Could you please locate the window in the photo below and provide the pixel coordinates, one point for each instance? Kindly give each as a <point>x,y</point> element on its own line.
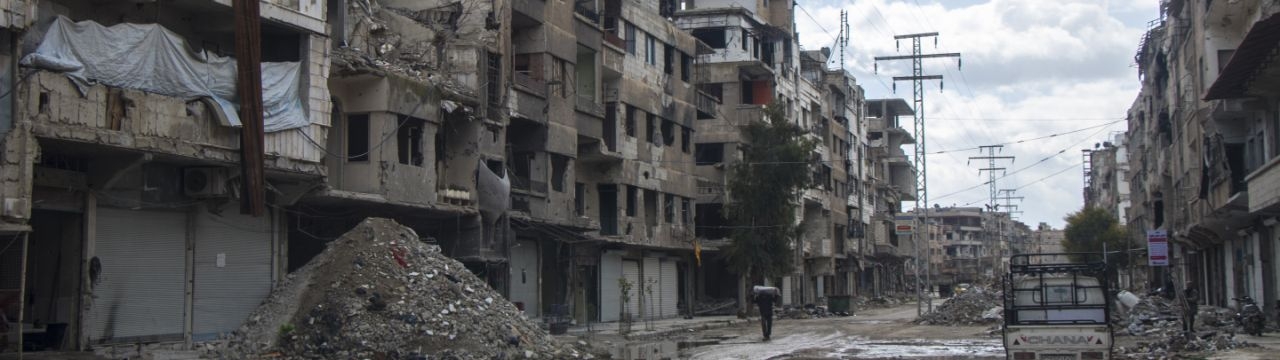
<point>559,164</point>
<point>716,90</point>
<point>580,199</point>
<point>684,210</point>
<point>358,137</point>
<point>686,137</point>
<point>745,35</point>
<point>409,142</point>
<point>669,209</point>
<point>708,154</point>
<point>651,129</point>
<point>668,132</point>
<point>650,49</point>
<point>668,59</point>
<point>714,37</point>
<point>632,193</point>
<point>631,38</point>
<point>561,72</point>
<point>630,120</point>
<point>686,66</point>
<point>666,8</point>
<point>493,89</point>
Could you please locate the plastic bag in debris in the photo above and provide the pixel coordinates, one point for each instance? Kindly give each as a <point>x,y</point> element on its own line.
<point>151,58</point>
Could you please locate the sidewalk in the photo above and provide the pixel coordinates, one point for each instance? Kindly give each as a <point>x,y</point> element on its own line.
<point>641,330</point>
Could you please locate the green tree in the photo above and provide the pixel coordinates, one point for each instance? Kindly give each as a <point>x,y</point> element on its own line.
<point>1088,229</point>
<point>764,189</point>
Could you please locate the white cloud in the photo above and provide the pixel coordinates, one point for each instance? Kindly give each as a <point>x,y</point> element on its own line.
<point>1022,59</point>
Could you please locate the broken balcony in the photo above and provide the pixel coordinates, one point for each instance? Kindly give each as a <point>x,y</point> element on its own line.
<point>527,11</point>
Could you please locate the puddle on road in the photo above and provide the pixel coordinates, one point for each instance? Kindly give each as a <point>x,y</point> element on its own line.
<point>840,346</point>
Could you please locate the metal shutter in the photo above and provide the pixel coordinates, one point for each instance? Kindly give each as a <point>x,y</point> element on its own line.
<point>653,284</point>
<point>786,290</point>
<point>524,276</point>
<point>141,289</point>
<point>631,271</point>
<point>232,272</point>
<point>670,287</point>
<point>610,298</point>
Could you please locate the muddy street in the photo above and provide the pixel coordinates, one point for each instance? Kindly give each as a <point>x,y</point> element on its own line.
<point>873,334</point>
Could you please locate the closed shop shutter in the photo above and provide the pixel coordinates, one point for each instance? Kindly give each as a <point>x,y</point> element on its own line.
<point>786,290</point>
<point>653,287</point>
<point>610,297</point>
<point>141,291</point>
<point>524,276</point>
<point>631,271</point>
<point>670,289</point>
<point>232,272</point>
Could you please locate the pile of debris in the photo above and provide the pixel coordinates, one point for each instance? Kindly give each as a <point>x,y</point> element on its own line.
<point>1150,315</point>
<point>976,306</point>
<point>715,307</point>
<point>379,292</point>
<point>1165,347</point>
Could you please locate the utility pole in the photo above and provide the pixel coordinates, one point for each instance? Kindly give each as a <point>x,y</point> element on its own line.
<point>993,206</point>
<point>917,78</point>
<point>1007,196</point>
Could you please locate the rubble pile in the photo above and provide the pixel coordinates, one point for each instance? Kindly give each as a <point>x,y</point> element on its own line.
<point>715,307</point>
<point>1165,347</point>
<point>976,306</point>
<point>1150,315</point>
<point>379,292</point>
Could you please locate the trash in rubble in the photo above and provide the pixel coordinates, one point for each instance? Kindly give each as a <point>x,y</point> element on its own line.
<point>336,308</point>
<point>967,308</point>
<point>1160,320</point>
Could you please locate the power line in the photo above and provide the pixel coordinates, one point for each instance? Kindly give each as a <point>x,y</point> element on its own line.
<point>1025,119</point>
<point>1032,139</point>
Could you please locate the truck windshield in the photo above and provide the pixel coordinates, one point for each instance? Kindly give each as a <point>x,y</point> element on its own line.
<point>1063,293</point>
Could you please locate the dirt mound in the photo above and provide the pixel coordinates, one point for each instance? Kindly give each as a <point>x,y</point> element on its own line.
<point>379,292</point>
<point>968,308</point>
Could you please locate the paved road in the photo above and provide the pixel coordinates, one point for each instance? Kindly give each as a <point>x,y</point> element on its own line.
<point>876,334</point>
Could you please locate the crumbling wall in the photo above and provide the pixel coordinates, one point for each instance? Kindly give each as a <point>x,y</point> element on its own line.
<point>16,170</point>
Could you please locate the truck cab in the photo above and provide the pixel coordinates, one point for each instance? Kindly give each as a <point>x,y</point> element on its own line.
<point>1057,309</point>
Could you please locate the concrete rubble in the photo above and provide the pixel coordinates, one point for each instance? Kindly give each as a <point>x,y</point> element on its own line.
<point>379,292</point>
<point>1159,319</point>
<point>976,306</point>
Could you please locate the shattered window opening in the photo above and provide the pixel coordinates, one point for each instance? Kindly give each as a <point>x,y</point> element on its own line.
<point>409,142</point>
<point>669,209</point>
<point>668,60</point>
<point>630,121</point>
<point>708,153</point>
<point>651,129</point>
<point>559,165</point>
<point>494,86</point>
<point>714,37</point>
<point>684,210</point>
<point>632,192</point>
<point>358,137</point>
<point>668,132</point>
<point>685,139</point>
<point>686,66</point>
<point>580,199</point>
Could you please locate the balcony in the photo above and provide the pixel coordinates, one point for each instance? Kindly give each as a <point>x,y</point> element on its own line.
<point>589,105</point>
<point>1264,184</point>
<point>527,83</point>
<point>586,9</point>
<point>531,10</point>
<point>708,106</point>
<point>613,61</point>
<point>1232,10</point>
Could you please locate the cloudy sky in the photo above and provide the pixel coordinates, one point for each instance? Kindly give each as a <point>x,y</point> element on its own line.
<point>1031,69</point>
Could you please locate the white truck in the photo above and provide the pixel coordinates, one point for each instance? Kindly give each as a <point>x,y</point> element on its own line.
<point>1056,309</point>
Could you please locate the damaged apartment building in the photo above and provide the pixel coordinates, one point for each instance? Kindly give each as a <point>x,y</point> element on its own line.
<point>755,61</point>
<point>1203,146</point>
<point>890,180</point>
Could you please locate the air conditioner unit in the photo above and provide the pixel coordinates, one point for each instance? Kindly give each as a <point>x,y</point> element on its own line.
<point>204,182</point>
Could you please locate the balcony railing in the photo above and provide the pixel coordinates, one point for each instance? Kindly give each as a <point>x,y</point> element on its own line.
<point>528,82</point>
<point>708,106</point>
<point>583,8</point>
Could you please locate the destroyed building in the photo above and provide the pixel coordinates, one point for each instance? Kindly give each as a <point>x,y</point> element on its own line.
<point>892,180</point>
<point>1202,145</point>
<point>562,151</point>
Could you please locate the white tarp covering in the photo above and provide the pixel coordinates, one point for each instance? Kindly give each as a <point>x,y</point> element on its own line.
<point>150,58</point>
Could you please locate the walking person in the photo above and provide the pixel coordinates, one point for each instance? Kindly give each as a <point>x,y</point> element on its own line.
<point>765,297</point>
<point>1192,298</point>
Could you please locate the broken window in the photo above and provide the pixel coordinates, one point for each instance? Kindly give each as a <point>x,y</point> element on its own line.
<point>651,210</point>
<point>651,129</point>
<point>684,211</point>
<point>630,120</point>
<point>650,49</point>
<point>708,154</point>
<point>716,90</point>
<point>493,89</point>
<point>745,35</point>
<point>668,60</point>
<point>559,164</point>
<point>409,142</point>
<point>686,66</point>
<point>685,138</point>
<point>580,199</point>
<point>669,209</point>
<point>529,65</point>
<point>631,38</point>
<point>668,132</point>
<point>714,37</point>
<point>766,48</point>
<point>632,192</point>
<point>358,137</point>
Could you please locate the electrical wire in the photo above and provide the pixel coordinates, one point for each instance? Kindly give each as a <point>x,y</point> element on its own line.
<point>1032,139</point>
